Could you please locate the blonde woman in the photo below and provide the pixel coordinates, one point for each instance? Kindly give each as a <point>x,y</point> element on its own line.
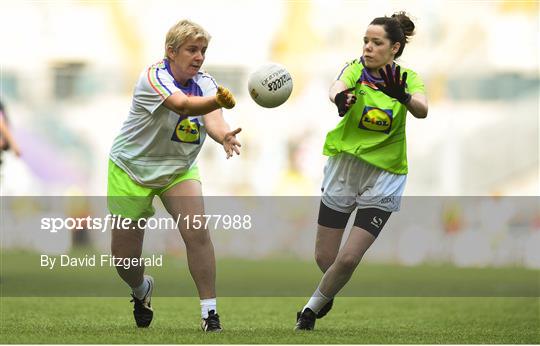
<point>174,106</point>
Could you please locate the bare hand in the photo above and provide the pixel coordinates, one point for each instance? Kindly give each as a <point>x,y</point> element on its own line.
<point>231,144</point>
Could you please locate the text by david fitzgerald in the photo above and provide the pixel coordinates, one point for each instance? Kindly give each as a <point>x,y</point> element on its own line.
<point>106,260</point>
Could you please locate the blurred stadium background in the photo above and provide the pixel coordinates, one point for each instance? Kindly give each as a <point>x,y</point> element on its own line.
<point>68,68</point>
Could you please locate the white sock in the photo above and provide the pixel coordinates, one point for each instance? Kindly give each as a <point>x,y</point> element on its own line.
<point>140,291</point>
<point>207,305</point>
<point>317,301</point>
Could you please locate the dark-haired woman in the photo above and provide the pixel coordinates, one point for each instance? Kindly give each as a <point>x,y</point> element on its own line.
<point>367,165</point>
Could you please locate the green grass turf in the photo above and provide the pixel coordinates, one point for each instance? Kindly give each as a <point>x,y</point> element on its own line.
<point>21,275</point>
<point>271,320</point>
<point>382,304</point>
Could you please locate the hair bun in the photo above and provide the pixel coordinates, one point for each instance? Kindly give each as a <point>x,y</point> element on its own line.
<point>405,22</point>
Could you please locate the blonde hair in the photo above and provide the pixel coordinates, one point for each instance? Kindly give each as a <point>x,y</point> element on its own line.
<point>182,31</point>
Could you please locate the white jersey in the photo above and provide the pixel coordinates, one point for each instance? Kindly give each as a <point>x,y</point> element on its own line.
<point>154,145</point>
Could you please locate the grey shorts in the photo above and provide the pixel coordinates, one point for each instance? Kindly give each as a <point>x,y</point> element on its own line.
<point>350,182</point>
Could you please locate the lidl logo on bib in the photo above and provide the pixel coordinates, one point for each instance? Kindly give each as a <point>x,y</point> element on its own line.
<point>376,119</point>
<point>187,131</point>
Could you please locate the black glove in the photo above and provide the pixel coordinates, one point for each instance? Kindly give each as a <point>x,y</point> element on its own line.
<point>394,85</point>
<point>341,101</point>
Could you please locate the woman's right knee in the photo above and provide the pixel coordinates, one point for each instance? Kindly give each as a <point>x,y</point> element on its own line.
<point>348,262</point>
<point>194,239</point>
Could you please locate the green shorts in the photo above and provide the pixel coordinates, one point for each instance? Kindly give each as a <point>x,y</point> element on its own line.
<point>128,199</point>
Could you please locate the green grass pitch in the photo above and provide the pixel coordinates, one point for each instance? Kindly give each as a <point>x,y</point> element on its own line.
<point>271,320</point>
<point>258,300</point>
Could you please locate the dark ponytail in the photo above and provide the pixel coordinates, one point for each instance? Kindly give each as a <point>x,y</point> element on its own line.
<point>399,27</point>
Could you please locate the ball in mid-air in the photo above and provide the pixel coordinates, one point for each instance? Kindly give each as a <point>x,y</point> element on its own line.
<point>270,85</point>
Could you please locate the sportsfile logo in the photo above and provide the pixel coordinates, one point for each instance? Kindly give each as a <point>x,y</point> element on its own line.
<point>225,222</point>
